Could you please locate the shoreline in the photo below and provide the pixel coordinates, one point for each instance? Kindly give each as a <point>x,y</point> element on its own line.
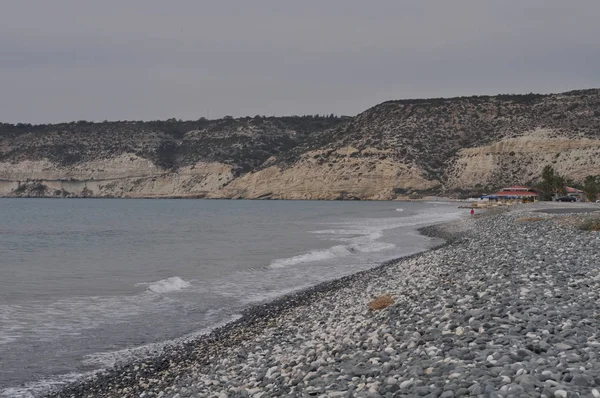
<point>250,322</point>
<point>197,368</point>
<point>177,197</point>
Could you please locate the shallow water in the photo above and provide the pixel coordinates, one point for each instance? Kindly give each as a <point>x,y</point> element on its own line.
<point>85,282</point>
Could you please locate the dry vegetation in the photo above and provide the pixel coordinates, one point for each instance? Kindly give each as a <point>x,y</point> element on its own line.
<point>381,302</point>
<point>591,224</point>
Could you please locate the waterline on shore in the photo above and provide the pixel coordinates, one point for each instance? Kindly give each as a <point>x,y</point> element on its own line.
<point>373,238</point>
<point>496,278</point>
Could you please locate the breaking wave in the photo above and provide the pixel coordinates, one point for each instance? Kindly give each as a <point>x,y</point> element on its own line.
<point>171,284</point>
<point>331,253</point>
<point>362,236</point>
<point>317,255</point>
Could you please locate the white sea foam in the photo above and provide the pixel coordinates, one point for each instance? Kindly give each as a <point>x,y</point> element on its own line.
<point>361,244</point>
<point>69,317</point>
<point>111,358</point>
<point>316,255</point>
<point>43,387</point>
<point>362,236</point>
<point>106,360</point>
<point>171,284</point>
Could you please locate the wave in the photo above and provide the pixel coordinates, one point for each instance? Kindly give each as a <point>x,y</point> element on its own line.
<point>171,284</point>
<point>317,255</point>
<point>363,236</point>
<point>109,359</point>
<point>331,253</point>
<point>106,360</point>
<point>43,387</point>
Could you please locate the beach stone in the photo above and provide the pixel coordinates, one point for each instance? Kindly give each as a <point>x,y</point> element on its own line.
<point>581,380</point>
<point>391,381</point>
<point>476,389</point>
<point>562,347</point>
<point>560,394</point>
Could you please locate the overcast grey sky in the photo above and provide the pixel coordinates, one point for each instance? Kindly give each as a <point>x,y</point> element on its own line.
<point>64,60</point>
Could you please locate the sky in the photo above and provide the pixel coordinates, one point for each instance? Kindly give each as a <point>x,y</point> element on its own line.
<point>65,60</point>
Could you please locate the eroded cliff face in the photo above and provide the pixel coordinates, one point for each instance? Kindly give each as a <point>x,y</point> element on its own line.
<point>437,146</point>
<point>338,174</point>
<point>522,159</point>
<point>125,176</point>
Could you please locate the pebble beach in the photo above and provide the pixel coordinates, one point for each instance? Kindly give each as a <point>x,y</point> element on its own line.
<point>509,306</point>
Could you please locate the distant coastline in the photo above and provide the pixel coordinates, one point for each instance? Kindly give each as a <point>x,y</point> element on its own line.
<point>454,147</point>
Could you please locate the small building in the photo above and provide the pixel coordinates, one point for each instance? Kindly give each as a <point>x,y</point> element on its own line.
<point>520,192</point>
<point>576,193</point>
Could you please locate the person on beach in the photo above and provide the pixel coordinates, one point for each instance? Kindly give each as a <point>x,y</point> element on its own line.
<point>472,212</point>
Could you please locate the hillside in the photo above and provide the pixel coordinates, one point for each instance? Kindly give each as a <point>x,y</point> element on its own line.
<point>442,146</point>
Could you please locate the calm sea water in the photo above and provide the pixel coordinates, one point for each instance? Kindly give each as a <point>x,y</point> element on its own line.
<point>87,283</point>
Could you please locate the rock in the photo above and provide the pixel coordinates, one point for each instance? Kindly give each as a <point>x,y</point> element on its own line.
<point>580,380</point>
<point>475,389</point>
<point>560,394</point>
<point>562,347</point>
<point>391,381</point>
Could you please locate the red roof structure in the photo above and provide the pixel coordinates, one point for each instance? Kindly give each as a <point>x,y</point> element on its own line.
<point>516,191</point>
<point>573,190</point>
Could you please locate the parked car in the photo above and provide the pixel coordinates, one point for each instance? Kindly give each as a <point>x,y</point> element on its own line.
<point>567,199</point>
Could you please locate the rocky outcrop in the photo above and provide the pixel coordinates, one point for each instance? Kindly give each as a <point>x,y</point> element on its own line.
<point>522,159</point>
<point>441,146</point>
<point>338,174</point>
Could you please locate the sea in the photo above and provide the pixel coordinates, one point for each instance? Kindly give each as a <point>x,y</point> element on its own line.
<point>89,283</point>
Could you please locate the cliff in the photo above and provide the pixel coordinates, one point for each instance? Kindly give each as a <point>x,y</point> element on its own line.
<point>441,146</point>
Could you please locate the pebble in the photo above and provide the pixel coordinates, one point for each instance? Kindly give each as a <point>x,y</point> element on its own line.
<point>560,394</point>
